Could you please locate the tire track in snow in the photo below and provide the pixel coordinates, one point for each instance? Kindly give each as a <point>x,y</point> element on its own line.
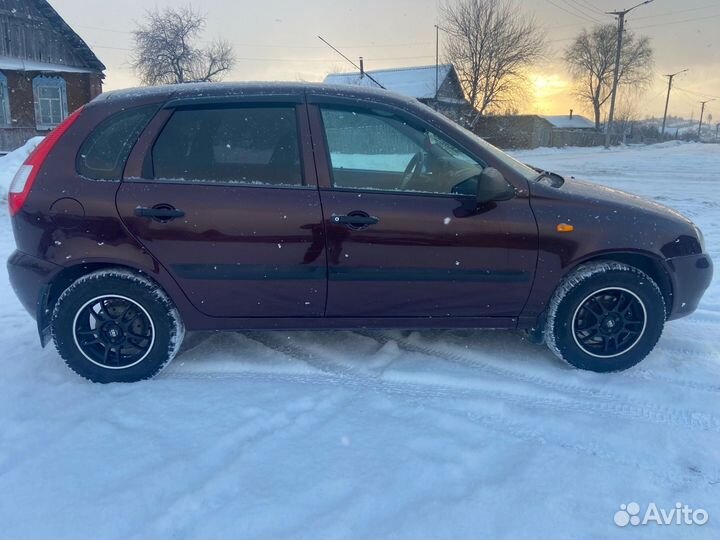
<point>428,394</point>
<point>224,455</point>
<point>610,405</point>
<point>661,471</point>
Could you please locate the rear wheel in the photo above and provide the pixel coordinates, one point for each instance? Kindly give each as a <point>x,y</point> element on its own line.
<point>606,316</point>
<point>116,326</point>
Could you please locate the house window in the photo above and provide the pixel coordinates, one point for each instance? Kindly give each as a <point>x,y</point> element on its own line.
<point>4,102</point>
<point>50,101</point>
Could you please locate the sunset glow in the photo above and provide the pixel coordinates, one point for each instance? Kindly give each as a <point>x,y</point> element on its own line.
<point>550,94</point>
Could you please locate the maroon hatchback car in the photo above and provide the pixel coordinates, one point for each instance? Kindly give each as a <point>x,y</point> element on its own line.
<point>295,206</point>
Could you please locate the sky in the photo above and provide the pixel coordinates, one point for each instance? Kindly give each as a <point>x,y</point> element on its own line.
<point>277,40</point>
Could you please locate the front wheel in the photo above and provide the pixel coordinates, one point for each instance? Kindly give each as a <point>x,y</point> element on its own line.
<point>605,317</point>
<point>116,326</point>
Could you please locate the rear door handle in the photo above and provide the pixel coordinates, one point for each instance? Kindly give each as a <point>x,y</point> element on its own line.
<point>159,213</point>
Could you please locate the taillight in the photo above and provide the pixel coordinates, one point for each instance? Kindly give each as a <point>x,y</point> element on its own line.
<point>26,175</point>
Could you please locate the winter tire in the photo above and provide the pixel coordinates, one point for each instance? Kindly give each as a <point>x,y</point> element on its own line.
<point>116,326</point>
<point>605,317</point>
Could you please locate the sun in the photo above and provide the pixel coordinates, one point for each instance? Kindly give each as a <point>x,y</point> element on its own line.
<point>549,92</point>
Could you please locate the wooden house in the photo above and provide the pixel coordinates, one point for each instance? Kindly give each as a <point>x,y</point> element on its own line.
<point>46,71</point>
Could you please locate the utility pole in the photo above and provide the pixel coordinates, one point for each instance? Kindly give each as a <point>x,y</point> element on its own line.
<point>437,60</point>
<point>667,100</point>
<point>618,55</point>
<point>702,113</point>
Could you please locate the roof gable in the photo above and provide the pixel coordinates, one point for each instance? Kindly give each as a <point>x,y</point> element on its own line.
<point>416,82</point>
<point>32,32</point>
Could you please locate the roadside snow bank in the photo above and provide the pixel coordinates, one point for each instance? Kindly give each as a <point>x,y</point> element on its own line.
<point>10,163</point>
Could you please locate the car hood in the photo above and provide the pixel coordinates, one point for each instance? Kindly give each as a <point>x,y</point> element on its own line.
<point>598,194</point>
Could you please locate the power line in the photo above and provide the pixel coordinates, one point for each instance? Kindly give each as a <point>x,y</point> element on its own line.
<point>668,13</point>
<point>297,59</point>
<point>590,6</point>
<point>292,45</point>
<point>584,17</point>
<point>697,94</point>
<point>575,8</point>
<point>677,22</point>
<point>359,68</point>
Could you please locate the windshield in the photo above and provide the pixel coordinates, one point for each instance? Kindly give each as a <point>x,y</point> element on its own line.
<point>526,171</point>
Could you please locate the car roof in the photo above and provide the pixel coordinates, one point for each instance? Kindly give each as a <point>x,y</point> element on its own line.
<point>230,89</point>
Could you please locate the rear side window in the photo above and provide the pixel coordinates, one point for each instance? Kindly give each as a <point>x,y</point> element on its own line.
<point>255,146</point>
<point>104,153</point>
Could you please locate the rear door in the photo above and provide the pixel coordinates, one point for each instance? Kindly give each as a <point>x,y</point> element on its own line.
<point>221,195</point>
<point>406,237</point>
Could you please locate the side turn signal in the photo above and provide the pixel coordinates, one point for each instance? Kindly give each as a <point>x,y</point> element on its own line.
<point>564,227</point>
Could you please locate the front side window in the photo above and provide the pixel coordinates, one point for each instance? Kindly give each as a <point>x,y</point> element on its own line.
<point>50,94</point>
<point>247,145</point>
<point>374,151</point>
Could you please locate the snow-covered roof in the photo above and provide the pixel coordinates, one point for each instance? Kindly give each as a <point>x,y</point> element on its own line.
<point>18,64</point>
<point>565,122</point>
<point>416,82</point>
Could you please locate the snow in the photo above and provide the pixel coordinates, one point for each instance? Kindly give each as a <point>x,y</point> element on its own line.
<point>416,82</point>
<point>432,434</point>
<point>12,162</point>
<point>565,122</point>
<point>18,64</point>
<point>372,162</point>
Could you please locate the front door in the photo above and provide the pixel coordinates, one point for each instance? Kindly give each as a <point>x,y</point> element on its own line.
<point>405,236</point>
<point>227,207</point>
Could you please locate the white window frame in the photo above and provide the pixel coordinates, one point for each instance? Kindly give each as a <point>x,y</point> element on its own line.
<point>5,101</point>
<point>43,81</point>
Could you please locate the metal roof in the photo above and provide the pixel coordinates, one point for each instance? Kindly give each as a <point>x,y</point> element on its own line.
<point>416,82</point>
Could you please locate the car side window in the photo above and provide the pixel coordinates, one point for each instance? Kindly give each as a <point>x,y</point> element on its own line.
<point>104,153</point>
<point>230,145</point>
<point>370,150</point>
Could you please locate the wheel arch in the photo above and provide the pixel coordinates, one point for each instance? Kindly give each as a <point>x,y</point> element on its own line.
<point>66,277</point>
<point>648,263</point>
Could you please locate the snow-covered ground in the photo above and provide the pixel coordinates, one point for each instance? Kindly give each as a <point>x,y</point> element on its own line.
<point>453,434</point>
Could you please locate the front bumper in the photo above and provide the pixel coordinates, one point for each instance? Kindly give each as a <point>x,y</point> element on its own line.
<point>691,276</point>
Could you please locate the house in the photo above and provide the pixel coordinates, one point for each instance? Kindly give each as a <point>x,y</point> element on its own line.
<point>46,71</point>
<point>532,131</point>
<point>571,121</point>
<point>514,131</point>
<point>436,86</point>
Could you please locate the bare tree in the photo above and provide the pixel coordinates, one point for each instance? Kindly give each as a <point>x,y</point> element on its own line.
<point>166,51</point>
<point>591,60</point>
<point>491,43</point>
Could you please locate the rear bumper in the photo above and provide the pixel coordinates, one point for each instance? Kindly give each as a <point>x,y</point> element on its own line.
<point>30,278</point>
<point>691,276</point>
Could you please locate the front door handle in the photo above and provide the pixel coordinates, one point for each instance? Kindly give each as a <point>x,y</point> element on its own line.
<point>160,212</point>
<point>355,220</point>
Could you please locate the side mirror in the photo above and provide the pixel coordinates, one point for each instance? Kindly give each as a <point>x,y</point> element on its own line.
<point>492,187</point>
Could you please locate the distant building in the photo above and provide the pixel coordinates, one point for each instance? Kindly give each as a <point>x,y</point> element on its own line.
<point>439,89</point>
<point>46,71</point>
<point>533,131</point>
<point>571,121</point>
